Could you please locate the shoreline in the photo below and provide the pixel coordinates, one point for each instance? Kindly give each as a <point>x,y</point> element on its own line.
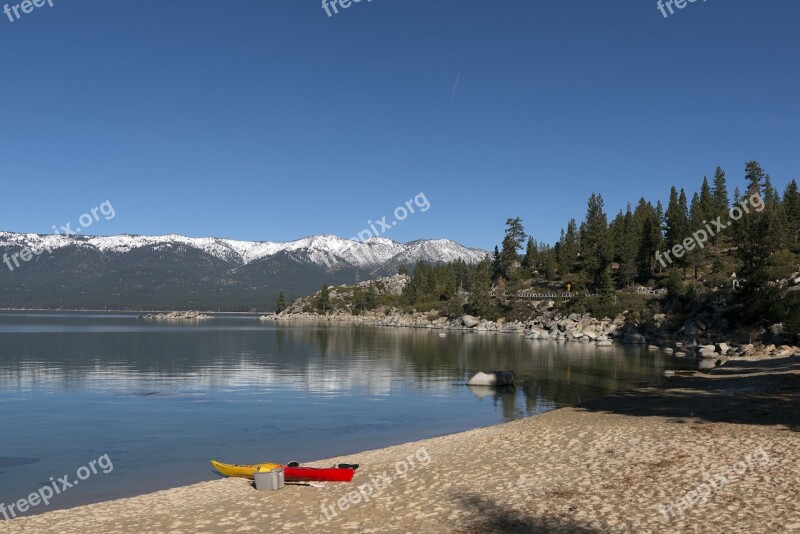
<point>694,340</point>
<point>255,314</point>
<point>603,465</point>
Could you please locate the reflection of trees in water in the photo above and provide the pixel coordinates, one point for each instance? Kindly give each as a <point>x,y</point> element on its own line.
<point>548,373</point>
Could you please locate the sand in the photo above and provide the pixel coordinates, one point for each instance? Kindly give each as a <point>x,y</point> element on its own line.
<point>604,466</point>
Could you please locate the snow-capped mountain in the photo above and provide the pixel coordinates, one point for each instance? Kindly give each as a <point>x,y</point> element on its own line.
<point>173,271</point>
<point>329,251</point>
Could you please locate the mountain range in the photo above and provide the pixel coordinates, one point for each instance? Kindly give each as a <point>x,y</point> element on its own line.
<point>178,272</point>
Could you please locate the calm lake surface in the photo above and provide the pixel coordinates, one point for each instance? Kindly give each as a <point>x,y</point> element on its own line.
<point>162,399</point>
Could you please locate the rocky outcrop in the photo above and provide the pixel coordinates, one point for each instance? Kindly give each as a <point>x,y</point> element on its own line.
<point>705,335</point>
<point>177,316</point>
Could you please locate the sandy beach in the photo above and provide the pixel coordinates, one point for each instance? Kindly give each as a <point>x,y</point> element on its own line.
<point>707,453</point>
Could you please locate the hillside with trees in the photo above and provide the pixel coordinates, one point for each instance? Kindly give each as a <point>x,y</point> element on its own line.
<point>734,258</point>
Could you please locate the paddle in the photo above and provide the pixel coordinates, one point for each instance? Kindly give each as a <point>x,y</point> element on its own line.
<point>340,466</point>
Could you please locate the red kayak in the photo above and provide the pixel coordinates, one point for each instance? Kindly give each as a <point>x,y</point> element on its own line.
<point>314,474</point>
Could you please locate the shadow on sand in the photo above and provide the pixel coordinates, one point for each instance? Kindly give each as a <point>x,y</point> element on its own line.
<point>763,392</point>
<point>497,519</point>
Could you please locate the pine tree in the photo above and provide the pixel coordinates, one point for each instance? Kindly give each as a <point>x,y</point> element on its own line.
<point>721,201</point>
<point>684,206</point>
<point>497,265</point>
<point>754,175</point>
<point>359,299</point>
<point>735,224</point>
<point>751,229</point>
<point>281,304</point>
<point>371,297</point>
<point>607,289</point>
<point>647,221</point>
<point>777,224</point>
<point>616,235</point>
<point>531,259</point>
<point>697,220</point>
<point>460,271</point>
<point>594,239</point>
<point>753,241</point>
<point>480,283</point>
<point>567,252</point>
<point>512,243</point>
<point>324,299</point>
<point>660,213</point>
<point>677,222</point>
<point>674,283</point>
<point>549,262</point>
<point>791,206</point>
<point>629,248</point>
<point>707,206</point>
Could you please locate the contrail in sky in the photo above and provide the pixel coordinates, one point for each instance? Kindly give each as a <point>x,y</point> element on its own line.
<point>453,96</point>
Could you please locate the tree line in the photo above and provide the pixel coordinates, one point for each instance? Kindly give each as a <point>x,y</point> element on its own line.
<point>692,248</point>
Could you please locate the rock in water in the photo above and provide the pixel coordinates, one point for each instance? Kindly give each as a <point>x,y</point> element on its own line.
<point>498,378</point>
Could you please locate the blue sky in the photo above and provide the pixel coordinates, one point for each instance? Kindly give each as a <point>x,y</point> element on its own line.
<point>269,120</point>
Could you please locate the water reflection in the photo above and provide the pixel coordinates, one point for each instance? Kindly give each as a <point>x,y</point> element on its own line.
<point>163,398</point>
<point>318,359</point>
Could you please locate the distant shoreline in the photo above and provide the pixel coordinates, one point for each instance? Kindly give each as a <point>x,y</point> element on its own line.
<point>70,310</point>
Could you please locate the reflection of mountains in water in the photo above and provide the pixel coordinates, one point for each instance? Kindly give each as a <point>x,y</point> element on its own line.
<point>317,359</point>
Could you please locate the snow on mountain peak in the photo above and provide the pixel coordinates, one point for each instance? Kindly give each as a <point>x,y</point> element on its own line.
<point>328,250</point>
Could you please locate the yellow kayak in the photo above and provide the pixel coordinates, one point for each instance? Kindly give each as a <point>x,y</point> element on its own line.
<point>242,471</point>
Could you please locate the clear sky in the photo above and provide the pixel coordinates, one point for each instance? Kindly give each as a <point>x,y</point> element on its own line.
<point>269,120</point>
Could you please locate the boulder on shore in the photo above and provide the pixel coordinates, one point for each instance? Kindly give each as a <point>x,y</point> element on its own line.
<point>469,321</point>
<point>497,378</point>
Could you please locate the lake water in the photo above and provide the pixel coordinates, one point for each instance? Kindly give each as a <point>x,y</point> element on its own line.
<point>162,399</point>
